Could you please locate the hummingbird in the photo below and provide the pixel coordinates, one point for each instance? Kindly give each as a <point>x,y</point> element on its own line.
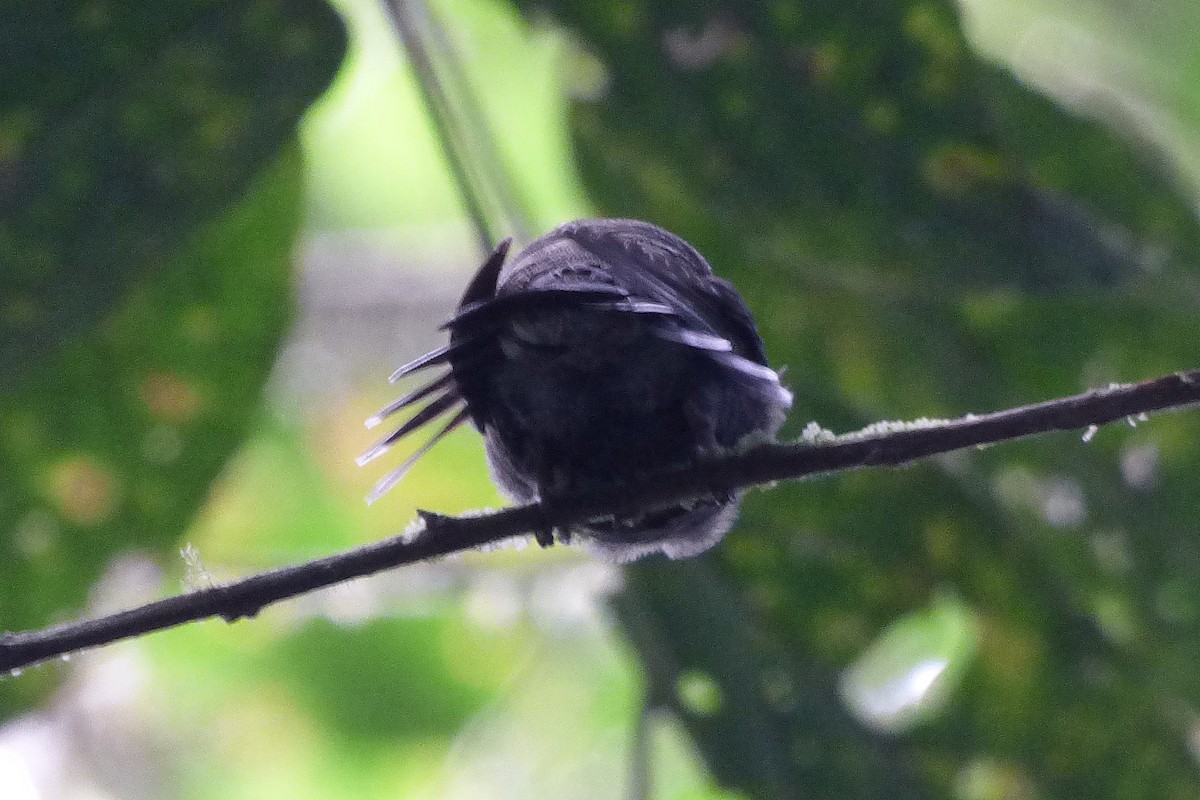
<point>605,351</point>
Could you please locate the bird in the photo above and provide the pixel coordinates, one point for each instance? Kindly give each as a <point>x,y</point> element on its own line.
<point>605,351</point>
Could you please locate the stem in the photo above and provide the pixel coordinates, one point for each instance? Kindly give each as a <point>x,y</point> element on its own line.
<point>459,124</point>
<point>897,444</point>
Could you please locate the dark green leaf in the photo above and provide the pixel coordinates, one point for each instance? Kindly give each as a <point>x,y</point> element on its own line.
<point>769,722</point>
<point>112,442</point>
<point>919,235</point>
<point>123,128</point>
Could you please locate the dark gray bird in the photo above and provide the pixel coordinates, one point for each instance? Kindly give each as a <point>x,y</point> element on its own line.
<point>607,350</point>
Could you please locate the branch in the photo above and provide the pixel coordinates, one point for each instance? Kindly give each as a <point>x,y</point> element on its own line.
<point>460,126</point>
<point>882,444</point>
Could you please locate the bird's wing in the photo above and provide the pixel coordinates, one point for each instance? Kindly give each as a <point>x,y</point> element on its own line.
<point>709,314</point>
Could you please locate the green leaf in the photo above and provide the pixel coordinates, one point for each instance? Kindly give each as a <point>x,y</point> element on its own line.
<point>112,443</point>
<point>919,234</point>
<point>412,690</point>
<point>869,144</point>
<point>764,717</point>
<point>124,127</point>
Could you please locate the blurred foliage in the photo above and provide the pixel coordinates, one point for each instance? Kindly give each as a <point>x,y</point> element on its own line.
<point>379,165</point>
<point>123,128</point>
<point>148,208</point>
<point>113,442</point>
<point>919,235</point>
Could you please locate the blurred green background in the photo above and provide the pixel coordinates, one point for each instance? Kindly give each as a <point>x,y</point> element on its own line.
<point>222,225</point>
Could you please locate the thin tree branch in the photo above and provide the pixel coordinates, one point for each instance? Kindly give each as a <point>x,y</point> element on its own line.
<point>883,444</point>
<point>459,124</point>
<point>483,152</point>
<point>641,754</point>
<point>437,105</point>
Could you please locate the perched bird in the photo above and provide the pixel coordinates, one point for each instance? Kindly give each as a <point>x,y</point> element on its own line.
<point>605,351</point>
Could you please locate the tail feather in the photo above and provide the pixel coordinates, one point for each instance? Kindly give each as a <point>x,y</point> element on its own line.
<point>444,382</point>
<point>431,359</point>
<point>396,475</point>
<point>426,415</point>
